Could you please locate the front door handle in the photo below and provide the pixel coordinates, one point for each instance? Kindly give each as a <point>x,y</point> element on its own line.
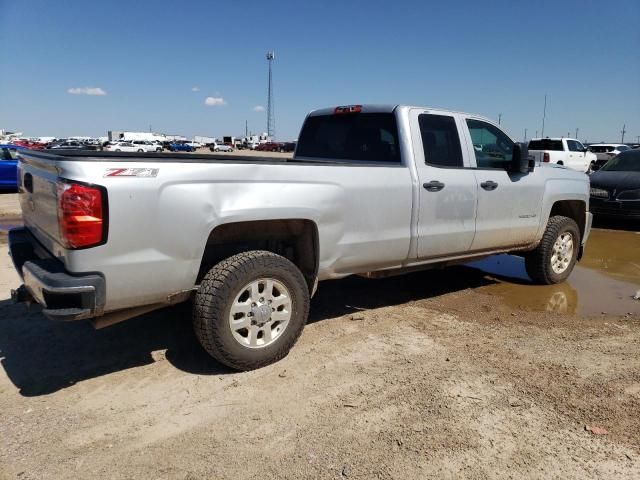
<point>489,185</point>
<point>433,186</point>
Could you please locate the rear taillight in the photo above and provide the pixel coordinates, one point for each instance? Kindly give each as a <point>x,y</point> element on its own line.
<point>545,157</point>
<point>81,215</point>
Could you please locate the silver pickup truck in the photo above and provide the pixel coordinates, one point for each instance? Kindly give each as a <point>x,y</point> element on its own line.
<point>371,189</point>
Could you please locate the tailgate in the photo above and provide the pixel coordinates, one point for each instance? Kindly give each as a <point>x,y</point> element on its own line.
<point>37,183</point>
<point>537,155</point>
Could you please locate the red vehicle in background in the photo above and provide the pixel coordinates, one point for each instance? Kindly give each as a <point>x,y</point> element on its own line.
<point>270,147</point>
<point>29,144</point>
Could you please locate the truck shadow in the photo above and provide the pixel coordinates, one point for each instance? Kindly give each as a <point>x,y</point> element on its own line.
<point>41,357</point>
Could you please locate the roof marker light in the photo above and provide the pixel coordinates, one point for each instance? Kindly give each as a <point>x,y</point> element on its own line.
<point>348,109</point>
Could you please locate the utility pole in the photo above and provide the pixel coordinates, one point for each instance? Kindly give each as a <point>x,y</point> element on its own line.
<point>271,122</point>
<point>499,118</point>
<point>246,128</point>
<point>525,134</point>
<point>577,130</point>
<point>544,114</point>
<point>536,133</point>
<point>623,132</point>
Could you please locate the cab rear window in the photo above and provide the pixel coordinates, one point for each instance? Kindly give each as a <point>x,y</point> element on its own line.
<point>546,144</point>
<point>364,137</point>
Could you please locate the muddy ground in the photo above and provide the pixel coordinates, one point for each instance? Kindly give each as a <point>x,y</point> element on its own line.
<point>465,373</point>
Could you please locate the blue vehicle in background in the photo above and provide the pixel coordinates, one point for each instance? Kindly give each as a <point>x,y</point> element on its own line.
<point>181,147</point>
<point>9,167</point>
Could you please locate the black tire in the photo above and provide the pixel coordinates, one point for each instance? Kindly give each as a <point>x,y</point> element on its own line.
<point>538,261</point>
<point>217,292</point>
<point>140,150</point>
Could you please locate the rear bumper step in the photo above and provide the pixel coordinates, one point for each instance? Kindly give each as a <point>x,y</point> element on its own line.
<point>63,296</point>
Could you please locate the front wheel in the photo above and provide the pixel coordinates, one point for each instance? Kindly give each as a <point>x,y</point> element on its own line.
<point>250,309</point>
<point>556,255</point>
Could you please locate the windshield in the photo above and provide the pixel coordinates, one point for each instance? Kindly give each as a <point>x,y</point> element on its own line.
<point>628,161</point>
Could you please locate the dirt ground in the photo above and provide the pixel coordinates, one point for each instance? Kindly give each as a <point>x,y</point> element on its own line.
<point>462,373</point>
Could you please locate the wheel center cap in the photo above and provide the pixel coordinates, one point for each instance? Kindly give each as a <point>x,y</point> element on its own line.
<point>262,314</point>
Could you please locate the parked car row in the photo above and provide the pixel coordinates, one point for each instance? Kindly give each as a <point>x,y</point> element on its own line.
<point>573,154</point>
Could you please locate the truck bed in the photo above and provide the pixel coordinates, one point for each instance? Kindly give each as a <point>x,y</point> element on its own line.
<point>91,155</point>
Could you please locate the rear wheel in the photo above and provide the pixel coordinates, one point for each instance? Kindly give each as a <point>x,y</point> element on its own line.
<point>556,255</point>
<point>250,309</point>
<point>140,150</point>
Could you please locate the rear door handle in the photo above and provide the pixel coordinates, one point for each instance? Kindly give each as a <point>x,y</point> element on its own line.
<point>433,186</point>
<point>489,185</point>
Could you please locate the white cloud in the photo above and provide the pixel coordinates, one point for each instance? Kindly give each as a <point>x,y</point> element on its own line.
<point>258,108</point>
<point>214,101</point>
<point>86,91</point>
<point>195,89</point>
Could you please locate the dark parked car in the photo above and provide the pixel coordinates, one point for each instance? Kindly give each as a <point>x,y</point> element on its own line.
<point>72,145</point>
<point>615,188</point>
<point>288,147</point>
<point>8,167</point>
<point>270,147</point>
<point>181,147</point>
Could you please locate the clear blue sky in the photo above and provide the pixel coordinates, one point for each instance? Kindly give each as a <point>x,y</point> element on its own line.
<point>486,57</point>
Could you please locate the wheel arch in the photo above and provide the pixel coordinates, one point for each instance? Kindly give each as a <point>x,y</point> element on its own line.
<point>295,239</point>
<point>574,209</point>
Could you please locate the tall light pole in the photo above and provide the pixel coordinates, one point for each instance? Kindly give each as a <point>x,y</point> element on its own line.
<point>525,134</point>
<point>499,118</point>
<point>624,130</point>
<point>577,130</point>
<point>544,114</point>
<point>271,122</point>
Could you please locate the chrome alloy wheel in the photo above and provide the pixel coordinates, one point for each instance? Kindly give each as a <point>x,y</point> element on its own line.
<point>562,253</point>
<point>260,313</point>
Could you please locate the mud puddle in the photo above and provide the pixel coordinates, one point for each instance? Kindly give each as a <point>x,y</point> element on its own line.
<point>605,281</point>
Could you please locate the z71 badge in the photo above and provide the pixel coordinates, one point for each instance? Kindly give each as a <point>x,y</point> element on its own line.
<point>131,172</point>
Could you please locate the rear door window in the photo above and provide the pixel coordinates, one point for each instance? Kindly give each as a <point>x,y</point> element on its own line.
<point>440,140</point>
<point>366,137</point>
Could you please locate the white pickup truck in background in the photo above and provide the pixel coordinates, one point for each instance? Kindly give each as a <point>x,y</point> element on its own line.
<point>562,151</point>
